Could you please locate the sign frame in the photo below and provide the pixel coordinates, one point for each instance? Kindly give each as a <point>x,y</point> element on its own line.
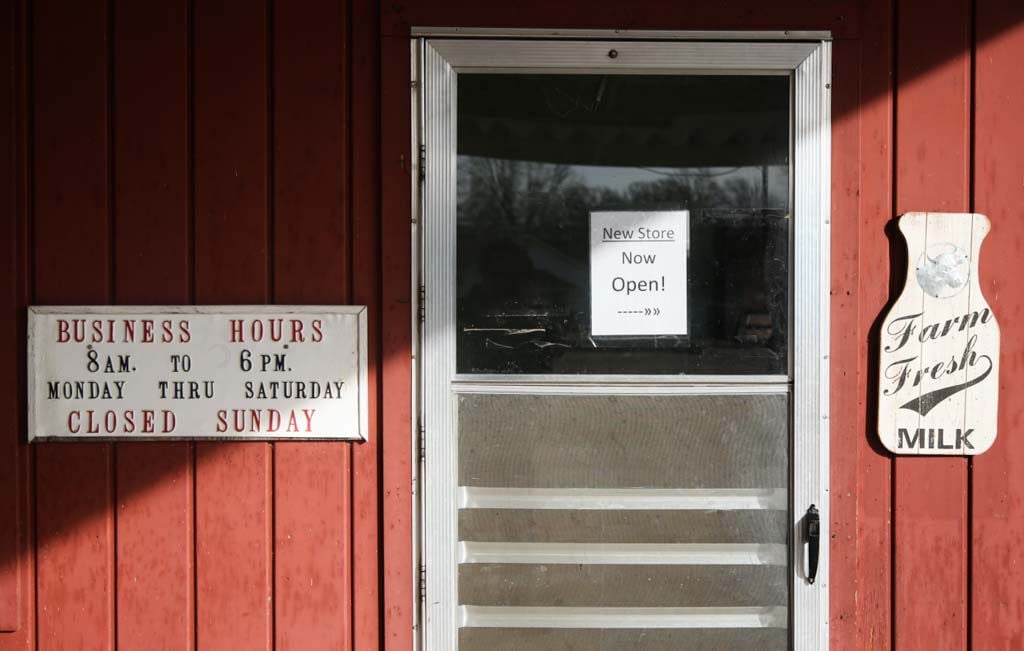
<point>359,312</point>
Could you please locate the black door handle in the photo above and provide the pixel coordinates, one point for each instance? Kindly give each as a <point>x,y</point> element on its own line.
<point>812,524</point>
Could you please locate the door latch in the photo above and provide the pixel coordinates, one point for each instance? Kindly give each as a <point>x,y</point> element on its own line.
<point>812,531</point>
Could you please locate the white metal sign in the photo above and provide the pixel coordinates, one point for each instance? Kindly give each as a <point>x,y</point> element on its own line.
<point>229,372</point>
<point>939,359</point>
<point>638,272</point>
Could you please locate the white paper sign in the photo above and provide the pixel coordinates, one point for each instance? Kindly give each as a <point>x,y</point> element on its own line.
<point>939,358</point>
<point>638,273</point>
<point>229,372</point>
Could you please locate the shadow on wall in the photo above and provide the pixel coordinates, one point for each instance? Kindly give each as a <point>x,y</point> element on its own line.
<point>158,465</point>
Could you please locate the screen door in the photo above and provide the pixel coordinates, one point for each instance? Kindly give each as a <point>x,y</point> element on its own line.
<point>624,344</point>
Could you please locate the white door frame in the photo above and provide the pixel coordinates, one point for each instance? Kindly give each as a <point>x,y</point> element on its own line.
<point>436,65</point>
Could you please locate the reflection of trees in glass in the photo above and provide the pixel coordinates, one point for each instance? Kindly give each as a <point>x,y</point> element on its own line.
<point>523,238</point>
<point>504,198</point>
<point>518,192</point>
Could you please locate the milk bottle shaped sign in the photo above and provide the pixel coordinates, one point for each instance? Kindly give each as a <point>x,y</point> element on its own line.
<point>938,385</point>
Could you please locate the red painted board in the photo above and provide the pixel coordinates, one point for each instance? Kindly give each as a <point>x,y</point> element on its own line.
<point>840,17</point>
<point>312,541</point>
<point>151,99</point>
<point>311,139</point>
<point>311,252</point>
<point>396,369</point>
<point>365,207</point>
<point>155,591</point>
<point>997,571</point>
<point>75,483</point>
<point>234,508</point>
<point>234,594</point>
<point>12,302</point>
<point>872,489</point>
<point>932,174</point>
<point>845,348</point>
<point>19,558</point>
<point>155,597</point>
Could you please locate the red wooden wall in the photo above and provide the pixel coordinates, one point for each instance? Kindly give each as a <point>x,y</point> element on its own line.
<point>189,152</point>
<point>257,152</point>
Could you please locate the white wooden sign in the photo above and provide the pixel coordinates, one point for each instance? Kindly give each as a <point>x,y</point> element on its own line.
<point>638,273</point>
<point>939,358</point>
<point>182,372</point>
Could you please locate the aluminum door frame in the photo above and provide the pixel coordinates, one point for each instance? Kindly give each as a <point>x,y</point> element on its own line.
<point>436,63</point>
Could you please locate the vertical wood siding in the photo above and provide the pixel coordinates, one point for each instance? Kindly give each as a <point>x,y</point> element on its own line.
<point>868,574</point>
<point>311,240</point>
<point>364,173</point>
<point>17,469</point>
<point>257,152</point>
<point>845,350</point>
<point>396,337</point>
<point>997,477</point>
<point>11,470</point>
<point>180,152</point>
<point>153,264</point>
<point>932,172</point>
<point>72,230</point>
<point>233,264</point>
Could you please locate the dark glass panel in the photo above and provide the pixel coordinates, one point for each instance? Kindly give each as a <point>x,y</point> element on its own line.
<point>538,153</point>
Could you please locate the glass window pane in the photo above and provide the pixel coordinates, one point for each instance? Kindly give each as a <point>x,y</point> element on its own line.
<point>537,154</point>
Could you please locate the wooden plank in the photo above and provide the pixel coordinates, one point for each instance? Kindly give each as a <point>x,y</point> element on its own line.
<point>231,152</point>
<point>874,467</point>
<point>840,17</point>
<point>932,158</point>
<point>13,300</point>
<point>151,148</point>
<point>366,270</point>
<point>844,342</point>
<point>155,543</point>
<point>155,546</point>
<point>75,526</point>
<point>396,368</point>
<point>312,541</point>
<point>234,568</point>
<point>997,528</point>
<point>19,560</point>
<point>233,546</point>
<point>312,481</point>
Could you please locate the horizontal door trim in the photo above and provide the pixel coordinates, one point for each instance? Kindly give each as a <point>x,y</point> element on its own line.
<point>606,379</point>
<point>604,617</point>
<point>624,553</point>
<point>622,34</point>
<point>638,499</point>
<point>616,385</point>
<point>676,57</point>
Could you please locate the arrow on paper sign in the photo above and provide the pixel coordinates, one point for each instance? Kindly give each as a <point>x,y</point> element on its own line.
<point>647,311</point>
